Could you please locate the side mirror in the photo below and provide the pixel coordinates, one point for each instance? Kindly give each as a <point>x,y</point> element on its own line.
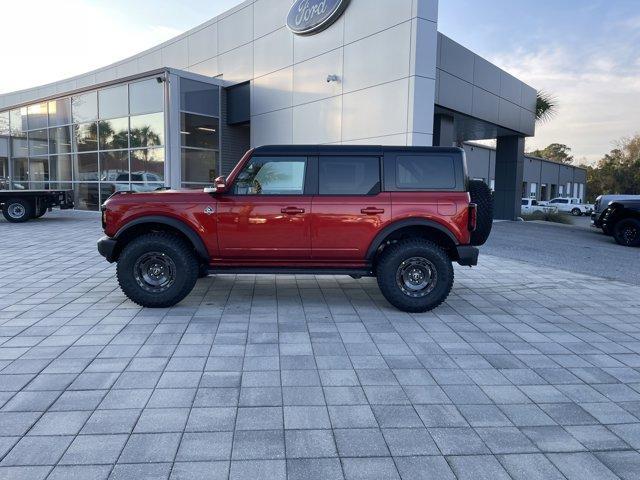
<point>219,186</point>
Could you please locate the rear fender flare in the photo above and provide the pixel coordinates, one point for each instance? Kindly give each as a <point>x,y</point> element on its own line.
<point>410,222</point>
<point>182,227</point>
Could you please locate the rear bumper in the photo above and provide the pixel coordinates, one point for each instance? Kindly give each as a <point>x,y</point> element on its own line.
<point>106,248</point>
<point>467,255</point>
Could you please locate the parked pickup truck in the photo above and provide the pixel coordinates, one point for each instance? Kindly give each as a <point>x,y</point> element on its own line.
<point>600,206</point>
<point>22,205</point>
<point>574,206</point>
<point>401,214</point>
<point>622,219</point>
<point>530,205</point>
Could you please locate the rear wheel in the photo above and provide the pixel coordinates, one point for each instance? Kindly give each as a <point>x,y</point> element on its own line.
<point>157,270</point>
<point>627,232</point>
<point>17,210</point>
<point>415,275</point>
<point>481,195</point>
<point>41,211</point>
<point>576,212</point>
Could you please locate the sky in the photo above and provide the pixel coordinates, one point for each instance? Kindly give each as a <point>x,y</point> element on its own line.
<point>586,53</point>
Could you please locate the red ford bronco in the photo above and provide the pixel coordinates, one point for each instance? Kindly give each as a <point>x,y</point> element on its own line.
<point>401,214</point>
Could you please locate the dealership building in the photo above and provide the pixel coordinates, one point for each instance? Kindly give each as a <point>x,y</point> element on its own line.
<point>269,72</point>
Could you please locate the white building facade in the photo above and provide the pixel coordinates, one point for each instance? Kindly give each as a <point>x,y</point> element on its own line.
<point>369,71</point>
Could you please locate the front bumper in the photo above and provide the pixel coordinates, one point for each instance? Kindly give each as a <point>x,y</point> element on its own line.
<point>467,255</point>
<point>106,248</point>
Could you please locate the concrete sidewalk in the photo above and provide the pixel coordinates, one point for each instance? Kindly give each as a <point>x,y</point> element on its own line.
<point>525,373</point>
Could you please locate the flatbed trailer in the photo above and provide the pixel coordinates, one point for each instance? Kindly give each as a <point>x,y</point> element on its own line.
<point>22,205</point>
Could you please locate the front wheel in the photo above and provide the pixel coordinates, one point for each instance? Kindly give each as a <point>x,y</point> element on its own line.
<point>576,212</point>
<point>157,270</point>
<point>415,275</point>
<point>17,210</point>
<point>627,232</point>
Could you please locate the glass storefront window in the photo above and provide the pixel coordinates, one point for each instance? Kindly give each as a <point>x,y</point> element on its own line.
<point>114,166</point>
<point>146,96</point>
<point>113,102</point>
<point>18,119</point>
<point>199,166</point>
<point>85,137</point>
<point>19,146</point>
<point>60,140</point>
<point>20,173</point>
<point>86,166</point>
<point>38,172</point>
<point>60,168</point>
<point>38,143</point>
<point>146,130</point>
<point>37,116</point>
<point>147,160</point>
<point>198,131</point>
<point>60,112</point>
<point>4,123</point>
<point>199,97</point>
<point>87,196</point>
<point>113,134</point>
<point>84,107</point>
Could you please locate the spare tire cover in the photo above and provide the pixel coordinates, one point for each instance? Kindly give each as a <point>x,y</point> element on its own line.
<point>482,196</point>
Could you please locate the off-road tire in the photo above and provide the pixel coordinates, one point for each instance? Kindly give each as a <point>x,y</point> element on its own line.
<point>627,232</point>
<point>390,262</point>
<point>482,196</point>
<point>15,205</point>
<point>576,212</point>
<point>182,256</point>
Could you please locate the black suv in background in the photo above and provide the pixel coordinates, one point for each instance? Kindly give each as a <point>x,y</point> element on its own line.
<point>622,219</point>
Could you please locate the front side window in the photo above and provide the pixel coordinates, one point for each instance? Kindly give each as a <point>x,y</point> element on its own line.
<point>272,176</point>
<point>525,203</point>
<point>349,176</point>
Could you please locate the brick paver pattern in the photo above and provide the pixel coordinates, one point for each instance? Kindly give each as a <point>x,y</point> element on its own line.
<point>525,373</point>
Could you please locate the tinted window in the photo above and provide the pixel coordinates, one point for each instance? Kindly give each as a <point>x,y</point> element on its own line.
<point>146,97</point>
<point>425,172</point>
<point>199,97</point>
<point>525,202</point>
<point>349,175</point>
<point>534,202</point>
<point>272,176</point>
<point>113,102</point>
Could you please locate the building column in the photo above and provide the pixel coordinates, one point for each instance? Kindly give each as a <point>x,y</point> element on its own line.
<point>509,176</point>
<point>444,131</point>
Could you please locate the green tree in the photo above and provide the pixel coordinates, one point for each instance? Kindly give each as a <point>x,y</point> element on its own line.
<point>558,152</point>
<point>546,106</point>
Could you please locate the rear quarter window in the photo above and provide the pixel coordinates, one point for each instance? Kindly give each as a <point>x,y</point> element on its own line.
<point>425,172</point>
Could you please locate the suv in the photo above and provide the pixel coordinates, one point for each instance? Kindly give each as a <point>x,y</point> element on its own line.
<point>622,219</point>
<point>600,206</point>
<point>401,214</point>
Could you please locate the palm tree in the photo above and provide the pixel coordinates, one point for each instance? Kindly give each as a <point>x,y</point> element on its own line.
<point>546,106</point>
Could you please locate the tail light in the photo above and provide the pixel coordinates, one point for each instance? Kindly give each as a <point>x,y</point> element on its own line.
<point>473,217</point>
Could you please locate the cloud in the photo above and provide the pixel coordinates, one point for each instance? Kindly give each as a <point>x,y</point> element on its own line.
<point>598,92</point>
<point>66,39</point>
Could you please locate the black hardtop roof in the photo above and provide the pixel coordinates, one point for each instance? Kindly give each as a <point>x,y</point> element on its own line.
<point>348,150</point>
<point>627,202</point>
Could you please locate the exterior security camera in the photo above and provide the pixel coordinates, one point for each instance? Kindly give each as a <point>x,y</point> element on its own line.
<point>333,78</point>
<point>160,79</point>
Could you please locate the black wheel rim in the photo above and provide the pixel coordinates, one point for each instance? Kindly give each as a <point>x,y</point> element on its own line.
<point>155,272</point>
<point>630,234</point>
<point>16,210</point>
<point>416,277</point>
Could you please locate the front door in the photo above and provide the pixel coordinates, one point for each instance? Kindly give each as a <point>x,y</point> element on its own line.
<point>350,208</point>
<point>266,214</point>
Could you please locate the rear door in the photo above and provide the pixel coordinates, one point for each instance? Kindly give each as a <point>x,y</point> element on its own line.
<point>349,208</point>
<point>266,216</point>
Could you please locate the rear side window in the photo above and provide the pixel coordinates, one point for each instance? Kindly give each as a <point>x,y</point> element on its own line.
<point>420,172</point>
<point>349,176</point>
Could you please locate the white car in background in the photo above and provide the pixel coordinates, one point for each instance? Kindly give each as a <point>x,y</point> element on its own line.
<point>531,205</point>
<point>573,205</point>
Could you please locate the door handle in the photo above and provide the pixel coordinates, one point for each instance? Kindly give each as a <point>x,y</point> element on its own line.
<point>292,210</point>
<point>372,211</point>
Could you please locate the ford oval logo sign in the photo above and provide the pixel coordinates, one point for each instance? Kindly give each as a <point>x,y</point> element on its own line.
<point>307,17</point>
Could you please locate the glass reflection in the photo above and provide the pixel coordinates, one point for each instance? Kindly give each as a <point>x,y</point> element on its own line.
<point>198,166</point>
<point>37,116</point>
<point>198,131</point>
<point>60,140</point>
<point>146,97</point>
<point>84,107</point>
<point>4,123</point>
<point>114,134</point>
<point>87,196</point>
<point>60,112</point>
<point>19,146</point>
<point>60,168</point>
<point>114,166</point>
<point>38,143</point>
<point>38,172</point>
<point>146,130</point>
<point>86,166</point>
<point>18,119</point>
<point>113,102</point>
<point>199,97</point>
<point>147,161</point>
<point>20,173</point>
<point>85,137</point>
